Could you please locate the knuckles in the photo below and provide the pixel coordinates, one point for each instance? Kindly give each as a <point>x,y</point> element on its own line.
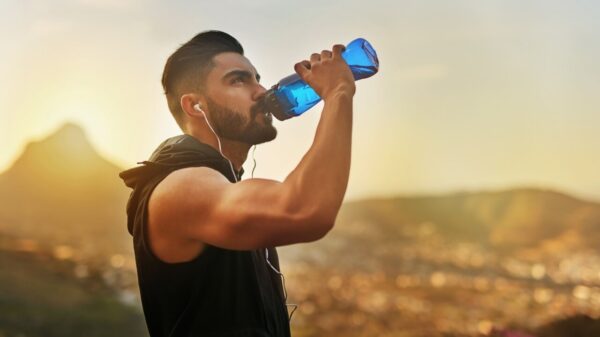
<point>338,48</point>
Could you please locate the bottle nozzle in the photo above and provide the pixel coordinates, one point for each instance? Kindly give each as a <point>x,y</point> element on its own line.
<point>273,105</point>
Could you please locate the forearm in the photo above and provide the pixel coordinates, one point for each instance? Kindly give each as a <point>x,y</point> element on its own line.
<point>318,184</point>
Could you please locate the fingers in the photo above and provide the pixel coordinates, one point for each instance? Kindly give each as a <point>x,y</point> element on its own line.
<point>315,58</point>
<point>326,54</point>
<point>302,68</point>
<point>337,50</point>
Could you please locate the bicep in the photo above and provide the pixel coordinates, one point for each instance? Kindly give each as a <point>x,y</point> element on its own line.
<point>200,204</point>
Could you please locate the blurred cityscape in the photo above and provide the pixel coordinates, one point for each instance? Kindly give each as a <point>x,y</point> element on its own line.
<point>432,288</point>
<point>427,288</point>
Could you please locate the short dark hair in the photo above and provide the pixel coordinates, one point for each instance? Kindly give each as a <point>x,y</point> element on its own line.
<point>187,67</point>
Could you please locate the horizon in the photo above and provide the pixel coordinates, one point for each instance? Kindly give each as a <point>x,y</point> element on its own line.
<point>422,194</point>
<point>469,95</point>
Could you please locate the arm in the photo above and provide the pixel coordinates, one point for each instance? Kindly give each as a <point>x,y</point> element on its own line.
<point>200,204</point>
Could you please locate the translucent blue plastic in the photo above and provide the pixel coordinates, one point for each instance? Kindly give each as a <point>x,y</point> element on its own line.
<point>292,96</point>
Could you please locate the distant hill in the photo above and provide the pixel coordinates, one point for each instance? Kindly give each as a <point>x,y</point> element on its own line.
<point>372,233</point>
<point>514,218</point>
<point>61,191</point>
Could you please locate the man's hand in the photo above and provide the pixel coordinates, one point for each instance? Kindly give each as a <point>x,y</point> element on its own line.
<point>327,73</point>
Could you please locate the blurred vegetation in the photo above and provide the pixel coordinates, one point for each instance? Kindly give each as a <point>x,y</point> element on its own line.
<point>39,298</point>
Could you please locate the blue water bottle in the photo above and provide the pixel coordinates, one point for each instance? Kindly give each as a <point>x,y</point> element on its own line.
<point>292,96</point>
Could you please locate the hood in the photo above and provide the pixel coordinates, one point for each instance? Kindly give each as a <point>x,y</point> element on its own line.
<point>174,153</point>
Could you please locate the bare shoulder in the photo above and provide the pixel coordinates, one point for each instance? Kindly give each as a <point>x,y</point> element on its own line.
<point>183,180</point>
<point>168,211</point>
<point>184,188</point>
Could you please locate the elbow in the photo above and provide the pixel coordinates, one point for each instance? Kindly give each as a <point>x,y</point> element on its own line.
<point>324,229</point>
<point>315,232</point>
<point>312,220</point>
<point>321,225</point>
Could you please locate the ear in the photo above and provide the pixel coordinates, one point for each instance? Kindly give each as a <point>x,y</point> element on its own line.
<point>187,103</point>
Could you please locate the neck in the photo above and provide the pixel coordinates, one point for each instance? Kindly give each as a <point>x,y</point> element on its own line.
<point>233,150</point>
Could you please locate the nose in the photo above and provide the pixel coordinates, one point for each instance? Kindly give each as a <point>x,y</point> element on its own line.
<point>259,93</point>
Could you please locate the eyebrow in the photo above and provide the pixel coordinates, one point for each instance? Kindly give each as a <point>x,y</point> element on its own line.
<point>241,73</point>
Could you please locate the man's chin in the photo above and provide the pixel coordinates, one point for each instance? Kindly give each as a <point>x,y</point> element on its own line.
<point>266,137</point>
<point>258,135</point>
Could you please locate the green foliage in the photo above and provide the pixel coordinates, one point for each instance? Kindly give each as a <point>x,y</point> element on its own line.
<point>37,300</point>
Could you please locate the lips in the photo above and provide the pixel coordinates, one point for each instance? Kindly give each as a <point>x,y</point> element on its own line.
<point>268,116</point>
<point>259,108</point>
<point>264,113</point>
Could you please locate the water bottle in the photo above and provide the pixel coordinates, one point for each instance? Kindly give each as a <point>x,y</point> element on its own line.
<point>291,96</point>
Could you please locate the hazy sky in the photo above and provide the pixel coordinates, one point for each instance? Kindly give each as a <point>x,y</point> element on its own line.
<point>471,94</point>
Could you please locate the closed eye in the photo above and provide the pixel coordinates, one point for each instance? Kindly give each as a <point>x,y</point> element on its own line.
<point>238,79</point>
<point>237,75</point>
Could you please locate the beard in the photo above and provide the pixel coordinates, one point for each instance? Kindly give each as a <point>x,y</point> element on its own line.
<point>237,126</point>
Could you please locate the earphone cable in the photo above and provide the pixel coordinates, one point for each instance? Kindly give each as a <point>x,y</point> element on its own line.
<point>254,160</point>
<point>236,180</point>
<point>219,142</point>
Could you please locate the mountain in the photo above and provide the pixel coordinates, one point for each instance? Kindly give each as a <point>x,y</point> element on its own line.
<point>60,191</point>
<point>509,219</point>
<point>526,222</point>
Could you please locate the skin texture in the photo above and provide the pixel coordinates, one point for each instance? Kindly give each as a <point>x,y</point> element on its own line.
<point>194,206</point>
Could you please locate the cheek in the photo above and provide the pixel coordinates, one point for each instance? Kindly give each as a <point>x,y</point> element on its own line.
<point>241,94</point>
<point>238,99</point>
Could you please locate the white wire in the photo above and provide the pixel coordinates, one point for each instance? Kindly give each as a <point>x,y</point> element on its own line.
<point>284,287</point>
<point>197,106</point>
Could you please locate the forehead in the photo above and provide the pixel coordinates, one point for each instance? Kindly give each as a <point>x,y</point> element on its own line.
<point>224,63</point>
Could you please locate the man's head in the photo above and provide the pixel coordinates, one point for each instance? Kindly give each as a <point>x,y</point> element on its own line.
<point>211,70</point>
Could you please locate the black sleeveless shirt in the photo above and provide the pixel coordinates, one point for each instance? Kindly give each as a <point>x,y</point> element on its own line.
<point>221,292</point>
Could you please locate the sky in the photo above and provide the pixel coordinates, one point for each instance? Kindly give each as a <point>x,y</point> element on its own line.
<point>471,95</point>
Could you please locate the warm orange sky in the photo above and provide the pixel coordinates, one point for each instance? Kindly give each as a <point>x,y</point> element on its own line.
<point>471,94</point>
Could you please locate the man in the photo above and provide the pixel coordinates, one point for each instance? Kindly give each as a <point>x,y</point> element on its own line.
<point>204,240</point>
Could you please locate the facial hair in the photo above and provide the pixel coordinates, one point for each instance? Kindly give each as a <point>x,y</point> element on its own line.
<point>238,126</point>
